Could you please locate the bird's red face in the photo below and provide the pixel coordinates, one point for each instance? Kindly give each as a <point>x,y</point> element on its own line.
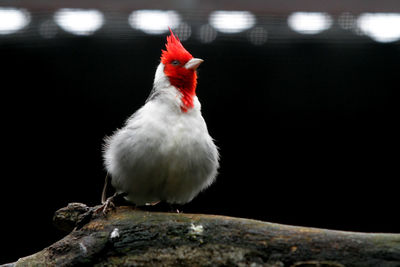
<point>180,67</point>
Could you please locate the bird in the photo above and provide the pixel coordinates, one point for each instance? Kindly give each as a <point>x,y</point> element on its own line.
<point>164,152</point>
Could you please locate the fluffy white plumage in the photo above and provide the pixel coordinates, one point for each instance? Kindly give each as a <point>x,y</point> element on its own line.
<point>162,153</point>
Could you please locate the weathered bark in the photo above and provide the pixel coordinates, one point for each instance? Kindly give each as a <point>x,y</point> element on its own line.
<point>131,237</point>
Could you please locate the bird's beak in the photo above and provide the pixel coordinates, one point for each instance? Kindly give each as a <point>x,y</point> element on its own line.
<point>193,64</point>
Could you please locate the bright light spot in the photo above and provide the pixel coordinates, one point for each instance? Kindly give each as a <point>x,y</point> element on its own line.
<point>381,27</point>
<point>79,21</point>
<point>12,20</point>
<point>207,34</point>
<point>258,35</point>
<point>154,21</point>
<point>183,31</point>
<point>48,29</point>
<point>347,21</point>
<point>232,21</point>
<point>309,22</point>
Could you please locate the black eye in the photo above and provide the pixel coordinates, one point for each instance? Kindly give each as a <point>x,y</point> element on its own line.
<point>175,63</point>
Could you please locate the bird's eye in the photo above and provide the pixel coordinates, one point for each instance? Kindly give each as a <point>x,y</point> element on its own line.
<point>175,63</point>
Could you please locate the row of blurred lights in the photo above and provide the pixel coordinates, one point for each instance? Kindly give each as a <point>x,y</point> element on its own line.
<point>381,27</point>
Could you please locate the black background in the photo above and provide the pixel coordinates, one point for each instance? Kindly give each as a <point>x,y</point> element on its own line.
<point>307,130</point>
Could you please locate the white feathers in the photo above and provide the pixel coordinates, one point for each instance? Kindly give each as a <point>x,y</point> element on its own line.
<point>162,153</point>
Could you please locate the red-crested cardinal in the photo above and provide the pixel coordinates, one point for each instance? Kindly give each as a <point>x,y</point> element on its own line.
<point>164,151</point>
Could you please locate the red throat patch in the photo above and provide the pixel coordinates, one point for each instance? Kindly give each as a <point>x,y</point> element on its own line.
<point>185,80</point>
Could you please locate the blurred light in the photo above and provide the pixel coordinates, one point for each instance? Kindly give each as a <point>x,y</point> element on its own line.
<point>183,31</point>
<point>207,34</point>
<point>309,22</point>
<point>79,21</point>
<point>154,21</point>
<point>12,20</point>
<point>48,29</point>
<point>381,27</point>
<point>258,35</point>
<point>347,21</point>
<point>232,21</point>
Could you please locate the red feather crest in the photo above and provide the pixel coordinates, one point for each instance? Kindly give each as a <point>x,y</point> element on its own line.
<point>175,50</point>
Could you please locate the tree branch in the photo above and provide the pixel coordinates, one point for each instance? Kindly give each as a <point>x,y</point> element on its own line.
<point>131,237</point>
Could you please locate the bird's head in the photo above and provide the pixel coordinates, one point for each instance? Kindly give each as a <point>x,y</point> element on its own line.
<point>180,68</point>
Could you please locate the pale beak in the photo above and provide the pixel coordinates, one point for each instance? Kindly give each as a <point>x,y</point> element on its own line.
<point>193,64</point>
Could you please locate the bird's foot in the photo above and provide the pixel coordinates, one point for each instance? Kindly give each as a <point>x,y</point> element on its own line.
<point>110,203</point>
<point>152,203</point>
<point>174,209</point>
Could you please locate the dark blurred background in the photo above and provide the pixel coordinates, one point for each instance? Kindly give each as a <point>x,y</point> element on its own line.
<point>302,99</point>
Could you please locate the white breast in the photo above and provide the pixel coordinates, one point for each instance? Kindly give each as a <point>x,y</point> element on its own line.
<point>162,153</point>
